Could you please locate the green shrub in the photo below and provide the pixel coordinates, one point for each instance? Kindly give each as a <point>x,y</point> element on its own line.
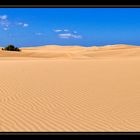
<point>17,49</point>
<point>11,48</point>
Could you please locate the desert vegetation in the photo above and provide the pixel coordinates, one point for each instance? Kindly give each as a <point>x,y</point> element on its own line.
<point>11,48</point>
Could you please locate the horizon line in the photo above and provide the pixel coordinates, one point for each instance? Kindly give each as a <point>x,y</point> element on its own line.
<point>78,45</point>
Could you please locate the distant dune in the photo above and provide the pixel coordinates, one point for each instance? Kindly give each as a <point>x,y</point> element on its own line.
<point>80,52</point>
<point>73,88</point>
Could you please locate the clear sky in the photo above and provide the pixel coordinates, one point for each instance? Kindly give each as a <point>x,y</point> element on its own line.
<point>25,27</point>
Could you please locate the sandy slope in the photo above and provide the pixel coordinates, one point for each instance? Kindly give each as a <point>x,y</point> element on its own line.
<point>100,92</point>
<point>73,52</point>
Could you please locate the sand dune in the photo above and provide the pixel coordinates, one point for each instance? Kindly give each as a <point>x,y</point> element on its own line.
<point>53,88</point>
<point>80,52</point>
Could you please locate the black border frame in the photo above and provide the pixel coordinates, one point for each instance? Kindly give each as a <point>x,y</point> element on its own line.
<point>70,133</point>
<point>70,6</point>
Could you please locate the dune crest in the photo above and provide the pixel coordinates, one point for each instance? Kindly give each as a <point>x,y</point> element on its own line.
<point>71,52</point>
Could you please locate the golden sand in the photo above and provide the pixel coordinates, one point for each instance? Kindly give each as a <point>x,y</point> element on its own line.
<point>56,88</point>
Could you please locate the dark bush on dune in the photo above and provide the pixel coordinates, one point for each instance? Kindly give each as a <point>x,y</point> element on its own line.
<point>11,48</point>
<point>17,49</point>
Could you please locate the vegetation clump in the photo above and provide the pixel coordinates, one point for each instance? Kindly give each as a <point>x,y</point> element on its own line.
<point>11,48</point>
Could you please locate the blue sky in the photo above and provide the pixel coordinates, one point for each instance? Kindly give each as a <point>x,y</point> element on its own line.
<point>25,27</point>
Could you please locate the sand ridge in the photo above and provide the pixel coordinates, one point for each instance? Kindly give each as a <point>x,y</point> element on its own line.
<point>70,52</point>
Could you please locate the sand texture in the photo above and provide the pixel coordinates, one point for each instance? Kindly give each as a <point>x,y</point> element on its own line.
<point>70,89</point>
